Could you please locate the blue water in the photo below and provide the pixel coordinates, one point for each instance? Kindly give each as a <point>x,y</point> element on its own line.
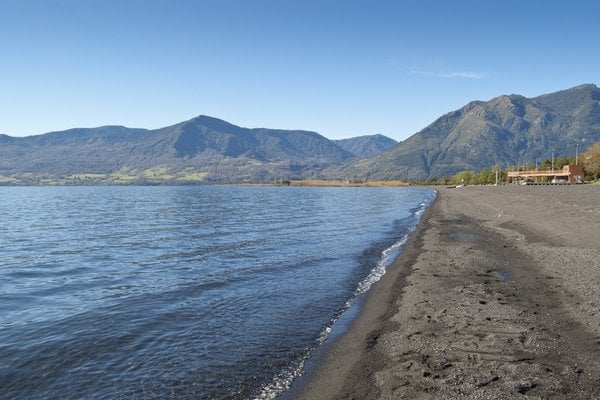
<point>183,292</point>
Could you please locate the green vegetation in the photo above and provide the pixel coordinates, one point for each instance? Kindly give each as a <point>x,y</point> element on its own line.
<point>484,177</point>
<point>591,161</point>
<point>559,163</point>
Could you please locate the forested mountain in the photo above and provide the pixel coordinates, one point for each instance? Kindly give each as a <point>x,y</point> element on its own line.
<point>203,149</point>
<point>507,130</point>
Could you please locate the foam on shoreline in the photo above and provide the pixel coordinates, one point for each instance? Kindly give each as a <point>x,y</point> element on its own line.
<point>340,323</point>
<point>466,329</point>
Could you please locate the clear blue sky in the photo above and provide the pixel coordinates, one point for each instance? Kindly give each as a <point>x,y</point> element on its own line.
<point>341,68</point>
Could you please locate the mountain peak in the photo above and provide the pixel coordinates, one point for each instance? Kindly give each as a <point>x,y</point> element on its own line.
<point>582,89</point>
<point>212,123</point>
<point>568,100</point>
<point>585,86</point>
<point>506,130</point>
<point>204,148</point>
<point>367,145</point>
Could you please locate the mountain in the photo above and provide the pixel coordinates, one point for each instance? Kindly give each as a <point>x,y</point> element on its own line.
<point>366,146</point>
<point>203,149</point>
<point>507,130</point>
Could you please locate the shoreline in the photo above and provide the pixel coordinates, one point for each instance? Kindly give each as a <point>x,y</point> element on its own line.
<point>496,295</point>
<point>363,306</point>
<point>337,359</point>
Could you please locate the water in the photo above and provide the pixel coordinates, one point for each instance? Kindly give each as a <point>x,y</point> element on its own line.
<point>183,292</point>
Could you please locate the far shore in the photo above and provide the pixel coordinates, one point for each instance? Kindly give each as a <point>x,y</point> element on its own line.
<point>496,296</point>
<point>159,178</point>
<point>327,183</point>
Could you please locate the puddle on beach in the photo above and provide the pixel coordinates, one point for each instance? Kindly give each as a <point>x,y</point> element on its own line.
<point>500,274</point>
<point>465,237</point>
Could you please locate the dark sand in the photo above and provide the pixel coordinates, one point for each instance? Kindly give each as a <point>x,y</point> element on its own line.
<point>497,296</point>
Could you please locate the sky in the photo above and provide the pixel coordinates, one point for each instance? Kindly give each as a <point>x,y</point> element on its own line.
<point>340,68</point>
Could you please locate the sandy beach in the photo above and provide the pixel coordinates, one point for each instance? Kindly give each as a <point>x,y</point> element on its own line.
<point>496,296</point>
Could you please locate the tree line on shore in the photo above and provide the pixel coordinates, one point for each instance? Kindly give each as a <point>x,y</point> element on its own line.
<point>590,160</point>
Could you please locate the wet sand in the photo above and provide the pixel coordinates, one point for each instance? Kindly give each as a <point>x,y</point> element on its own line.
<point>496,296</point>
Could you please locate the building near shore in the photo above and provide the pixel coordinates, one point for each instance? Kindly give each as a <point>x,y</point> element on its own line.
<point>569,174</point>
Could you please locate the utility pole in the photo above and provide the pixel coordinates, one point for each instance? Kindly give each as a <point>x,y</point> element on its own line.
<point>577,154</point>
<point>552,160</point>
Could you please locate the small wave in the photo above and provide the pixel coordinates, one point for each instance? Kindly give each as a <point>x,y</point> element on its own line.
<point>377,273</point>
<point>283,381</point>
<point>389,255</point>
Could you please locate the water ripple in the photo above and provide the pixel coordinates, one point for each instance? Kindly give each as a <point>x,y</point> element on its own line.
<point>186,292</point>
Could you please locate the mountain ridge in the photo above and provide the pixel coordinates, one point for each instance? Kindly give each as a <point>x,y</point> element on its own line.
<point>213,149</point>
<point>505,130</point>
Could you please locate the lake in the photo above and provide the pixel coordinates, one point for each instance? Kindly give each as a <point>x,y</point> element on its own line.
<point>185,292</point>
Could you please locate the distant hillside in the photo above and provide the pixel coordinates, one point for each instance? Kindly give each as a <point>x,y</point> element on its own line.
<point>203,149</point>
<point>366,146</point>
<point>507,130</point>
